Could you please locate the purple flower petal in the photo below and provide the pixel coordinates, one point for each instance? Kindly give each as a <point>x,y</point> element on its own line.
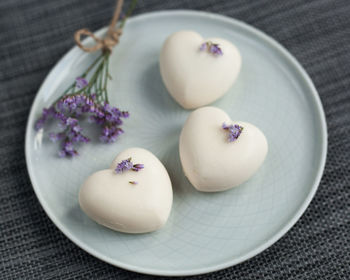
<point>234,131</point>
<point>124,165</point>
<point>39,124</point>
<point>71,121</point>
<point>138,167</point>
<point>203,47</point>
<point>81,82</point>
<point>212,48</point>
<point>68,147</point>
<point>54,137</point>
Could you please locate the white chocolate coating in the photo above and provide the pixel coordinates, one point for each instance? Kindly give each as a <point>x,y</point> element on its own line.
<point>110,200</point>
<point>196,78</point>
<point>209,160</point>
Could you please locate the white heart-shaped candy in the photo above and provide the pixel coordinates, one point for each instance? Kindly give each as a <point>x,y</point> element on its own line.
<point>209,160</point>
<point>196,78</point>
<point>111,200</point>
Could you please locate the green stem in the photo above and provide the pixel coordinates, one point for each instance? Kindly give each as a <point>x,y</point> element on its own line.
<point>106,77</point>
<point>128,13</point>
<point>101,78</point>
<point>92,80</point>
<point>91,66</point>
<point>101,73</point>
<point>84,73</point>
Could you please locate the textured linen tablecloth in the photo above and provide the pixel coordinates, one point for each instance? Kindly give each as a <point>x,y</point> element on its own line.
<point>35,34</point>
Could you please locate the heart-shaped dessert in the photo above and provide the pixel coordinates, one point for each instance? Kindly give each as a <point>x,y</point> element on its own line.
<point>198,71</point>
<point>217,153</point>
<point>134,195</point>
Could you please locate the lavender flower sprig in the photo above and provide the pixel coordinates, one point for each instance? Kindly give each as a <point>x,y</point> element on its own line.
<point>85,98</point>
<point>234,131</point>
<point>127,164</point>
<point>68,112</point>
<point>211,48</point>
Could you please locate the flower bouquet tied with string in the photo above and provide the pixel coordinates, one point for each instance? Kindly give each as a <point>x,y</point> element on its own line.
<point>87,96</point>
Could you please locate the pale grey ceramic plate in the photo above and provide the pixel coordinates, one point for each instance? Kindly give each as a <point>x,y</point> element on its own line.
<point>205,231</point>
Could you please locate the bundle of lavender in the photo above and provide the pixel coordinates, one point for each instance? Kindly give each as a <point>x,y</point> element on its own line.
<point>87,97</point>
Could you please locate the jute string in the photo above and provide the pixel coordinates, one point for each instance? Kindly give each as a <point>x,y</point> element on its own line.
<point>111,38</point>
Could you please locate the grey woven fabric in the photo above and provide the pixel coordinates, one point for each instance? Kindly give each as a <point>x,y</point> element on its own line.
<point>35,34</point>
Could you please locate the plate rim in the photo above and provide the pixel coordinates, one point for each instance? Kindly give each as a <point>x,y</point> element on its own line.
<point>235,260</point>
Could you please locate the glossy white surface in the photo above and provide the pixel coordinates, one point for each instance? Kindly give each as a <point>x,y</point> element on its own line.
<point>196,78</point>
<point>111,200</point>
<point>209,160</point>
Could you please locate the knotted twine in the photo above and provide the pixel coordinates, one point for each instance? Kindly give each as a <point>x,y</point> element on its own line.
<point>111,38</point>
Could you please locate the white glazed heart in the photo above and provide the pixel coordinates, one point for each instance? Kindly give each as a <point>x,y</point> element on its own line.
<point>196,78</point>
<point>110,200</point>
<point>209,160</point>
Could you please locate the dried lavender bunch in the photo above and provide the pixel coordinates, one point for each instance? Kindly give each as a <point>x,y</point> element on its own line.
<point>85,98</point>
<point>234,131</point>
<point>69,109</point>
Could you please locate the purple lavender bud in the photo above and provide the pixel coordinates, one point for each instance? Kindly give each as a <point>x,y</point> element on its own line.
<point>39,124</point>
<point>100,114</point>
<point>219,51</point>
<point>224,126</point>
<point>137,167</point>
<point>105,131</point>
<point>68,149</point>
<point>115,111</point>
<point>68,146</point>
<point>81,82</point>
<point>133,182</point>
<point>119,131</point>
<point>89,101</point>
<point>71,121</point>
<point>203,46</point>
<point>68,100</point>
<point>73,106</point>
<point>78,99</point>
<point>77,128</point>
<point>234,131</point>
<point>84,139</point>
<point>215,49</point>
<point>54,137</point>
<point>125,114</point>
<point>107,108</point>
<point>80,138</point>
<point>211,48</point>
<point>124,165</point>
<point>47,113</point>
<point>60,117</point>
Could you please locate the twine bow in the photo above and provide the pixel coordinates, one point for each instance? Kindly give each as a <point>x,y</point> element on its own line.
<point>112,36</point>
